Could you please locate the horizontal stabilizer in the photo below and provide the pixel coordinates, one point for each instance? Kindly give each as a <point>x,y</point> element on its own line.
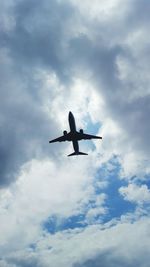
<point>77,153</point>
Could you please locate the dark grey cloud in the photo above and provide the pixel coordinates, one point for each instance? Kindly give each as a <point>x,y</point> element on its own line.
<point>39,35</point>
<point>24,129</point>
<point>29,261</point>
<point>33,41</point>
<point>111,258</point>
<point>132,115</point>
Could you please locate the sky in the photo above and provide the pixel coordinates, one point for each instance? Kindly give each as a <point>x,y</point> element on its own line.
<point>91,58</point>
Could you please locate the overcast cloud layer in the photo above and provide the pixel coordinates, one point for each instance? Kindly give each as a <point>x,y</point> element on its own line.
<point>92,59</point>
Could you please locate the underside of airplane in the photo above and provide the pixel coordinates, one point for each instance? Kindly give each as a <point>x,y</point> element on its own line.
<point>74,136</point>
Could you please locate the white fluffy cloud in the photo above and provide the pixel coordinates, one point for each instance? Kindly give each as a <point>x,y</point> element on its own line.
<point>90,247</point>
<point>44,189</point>
<point>135,193</point>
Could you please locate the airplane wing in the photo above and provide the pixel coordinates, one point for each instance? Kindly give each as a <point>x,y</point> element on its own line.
<point>88,136</point>
<point>59,139</point>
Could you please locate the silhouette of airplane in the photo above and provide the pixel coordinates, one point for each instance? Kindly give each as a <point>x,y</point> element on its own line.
<point>74,136</point>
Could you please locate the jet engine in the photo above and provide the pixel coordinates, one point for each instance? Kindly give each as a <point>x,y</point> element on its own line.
<point>81,131</point>
<point>65,132</point>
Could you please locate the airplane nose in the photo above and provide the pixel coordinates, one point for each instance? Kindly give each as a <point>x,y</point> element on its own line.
<point>70,116</point>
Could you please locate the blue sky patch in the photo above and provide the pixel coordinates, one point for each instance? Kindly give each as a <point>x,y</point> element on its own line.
<point>55,224</point>
<point>114,203</point>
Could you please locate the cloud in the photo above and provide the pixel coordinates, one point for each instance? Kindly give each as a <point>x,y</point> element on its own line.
<point>102,245</point>
<point>57,42</point>
<point>116,58</point>
<point>135,193</point>
<point>39,194</point>
<point>20,110</point>
<point>93,60</point>
<point>36,78</point>
<point>25,61</point>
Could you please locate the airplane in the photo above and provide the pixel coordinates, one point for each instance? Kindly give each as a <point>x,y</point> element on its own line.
<point>74,136</point>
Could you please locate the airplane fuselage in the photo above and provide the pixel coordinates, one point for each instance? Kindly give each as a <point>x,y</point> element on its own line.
<point>72,123</point>
<point>73,132</point>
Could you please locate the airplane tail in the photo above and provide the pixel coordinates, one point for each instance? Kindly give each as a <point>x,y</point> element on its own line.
<point>77,153</point>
